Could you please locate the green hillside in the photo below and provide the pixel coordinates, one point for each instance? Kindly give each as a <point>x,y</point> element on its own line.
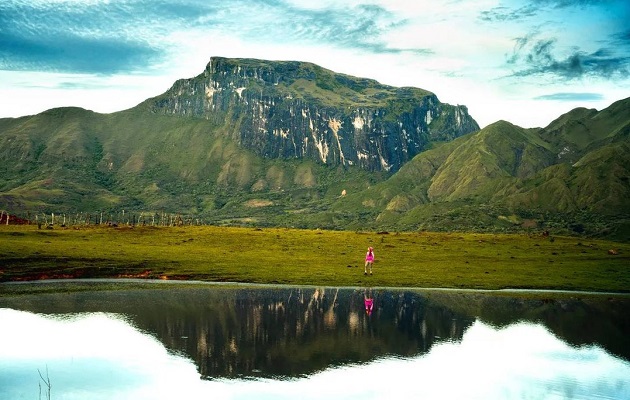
<point>71,160</point>
<point>572,176</point>
<point>155,159</point>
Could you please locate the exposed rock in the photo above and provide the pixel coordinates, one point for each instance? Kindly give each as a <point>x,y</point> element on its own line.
<point>300,110</point>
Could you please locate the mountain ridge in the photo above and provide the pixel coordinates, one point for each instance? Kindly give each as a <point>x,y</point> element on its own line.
<point>506,170</point>
<point>265,143</point>
<point>292,109</point>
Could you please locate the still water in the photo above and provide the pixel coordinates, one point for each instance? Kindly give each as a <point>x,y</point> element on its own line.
<point>312,343</point>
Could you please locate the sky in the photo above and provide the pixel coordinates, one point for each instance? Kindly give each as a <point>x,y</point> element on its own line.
<point>526,62</point>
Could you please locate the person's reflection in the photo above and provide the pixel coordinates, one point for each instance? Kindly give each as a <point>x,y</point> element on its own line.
<point>368,301</point>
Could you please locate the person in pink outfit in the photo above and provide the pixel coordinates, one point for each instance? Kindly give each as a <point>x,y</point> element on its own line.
<point>369,260</point>
<point>369,302</point>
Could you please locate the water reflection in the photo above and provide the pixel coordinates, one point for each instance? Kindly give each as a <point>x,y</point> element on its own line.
<point>274,333</point>
<point>93,355</point>
<point>281,343</point>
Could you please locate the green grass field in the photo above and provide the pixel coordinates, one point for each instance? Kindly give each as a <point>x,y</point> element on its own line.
<point>311,257</point>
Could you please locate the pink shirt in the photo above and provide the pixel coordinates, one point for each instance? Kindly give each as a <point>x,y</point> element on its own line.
<point>369,256</point>
<point>369,303</point>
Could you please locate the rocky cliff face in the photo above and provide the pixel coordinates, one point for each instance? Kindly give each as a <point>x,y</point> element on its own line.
<point>300,110</point>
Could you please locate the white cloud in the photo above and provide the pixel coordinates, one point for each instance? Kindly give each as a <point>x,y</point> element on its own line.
<point>457,49</point>
<point>28,93</point>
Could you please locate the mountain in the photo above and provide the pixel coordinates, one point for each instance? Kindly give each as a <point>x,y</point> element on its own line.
<point>572,175</point>
<point>300,110</point>
<point>245,132</point>
<point>282,143</point>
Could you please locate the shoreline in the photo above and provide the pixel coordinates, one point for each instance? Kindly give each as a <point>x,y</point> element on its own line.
<point>157,282</point>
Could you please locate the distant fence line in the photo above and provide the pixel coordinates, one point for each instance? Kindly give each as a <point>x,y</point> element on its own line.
<point>100,218</point>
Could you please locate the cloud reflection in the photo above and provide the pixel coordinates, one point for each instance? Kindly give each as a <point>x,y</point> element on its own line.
<point>94,355</point>
<point>102,356</point>
<point>520,361</point>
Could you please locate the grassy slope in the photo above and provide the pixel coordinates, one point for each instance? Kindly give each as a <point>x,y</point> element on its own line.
<point>65,160</point>
<point>307,257</point>
<point>169,163</point>
<point>505,169</point>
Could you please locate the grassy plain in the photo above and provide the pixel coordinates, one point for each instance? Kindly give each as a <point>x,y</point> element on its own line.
<point>315,257</point>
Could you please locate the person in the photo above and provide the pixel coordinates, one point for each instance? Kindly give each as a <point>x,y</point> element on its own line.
<point>369,260</point>
<point>369,303</point>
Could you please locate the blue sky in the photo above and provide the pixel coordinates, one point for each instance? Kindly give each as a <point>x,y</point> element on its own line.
<point>526,62</point>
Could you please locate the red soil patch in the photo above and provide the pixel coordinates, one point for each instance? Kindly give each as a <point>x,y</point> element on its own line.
<point>13,220</point>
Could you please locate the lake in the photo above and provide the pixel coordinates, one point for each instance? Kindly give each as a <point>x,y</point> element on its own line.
<point>207,341</point>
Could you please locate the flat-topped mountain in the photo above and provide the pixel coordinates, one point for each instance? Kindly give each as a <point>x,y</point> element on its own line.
<point>287,143</point>
<point>289,109</point>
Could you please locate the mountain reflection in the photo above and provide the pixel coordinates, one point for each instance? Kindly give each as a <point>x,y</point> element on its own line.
<point>295,332</point>
<point>289,333</point>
